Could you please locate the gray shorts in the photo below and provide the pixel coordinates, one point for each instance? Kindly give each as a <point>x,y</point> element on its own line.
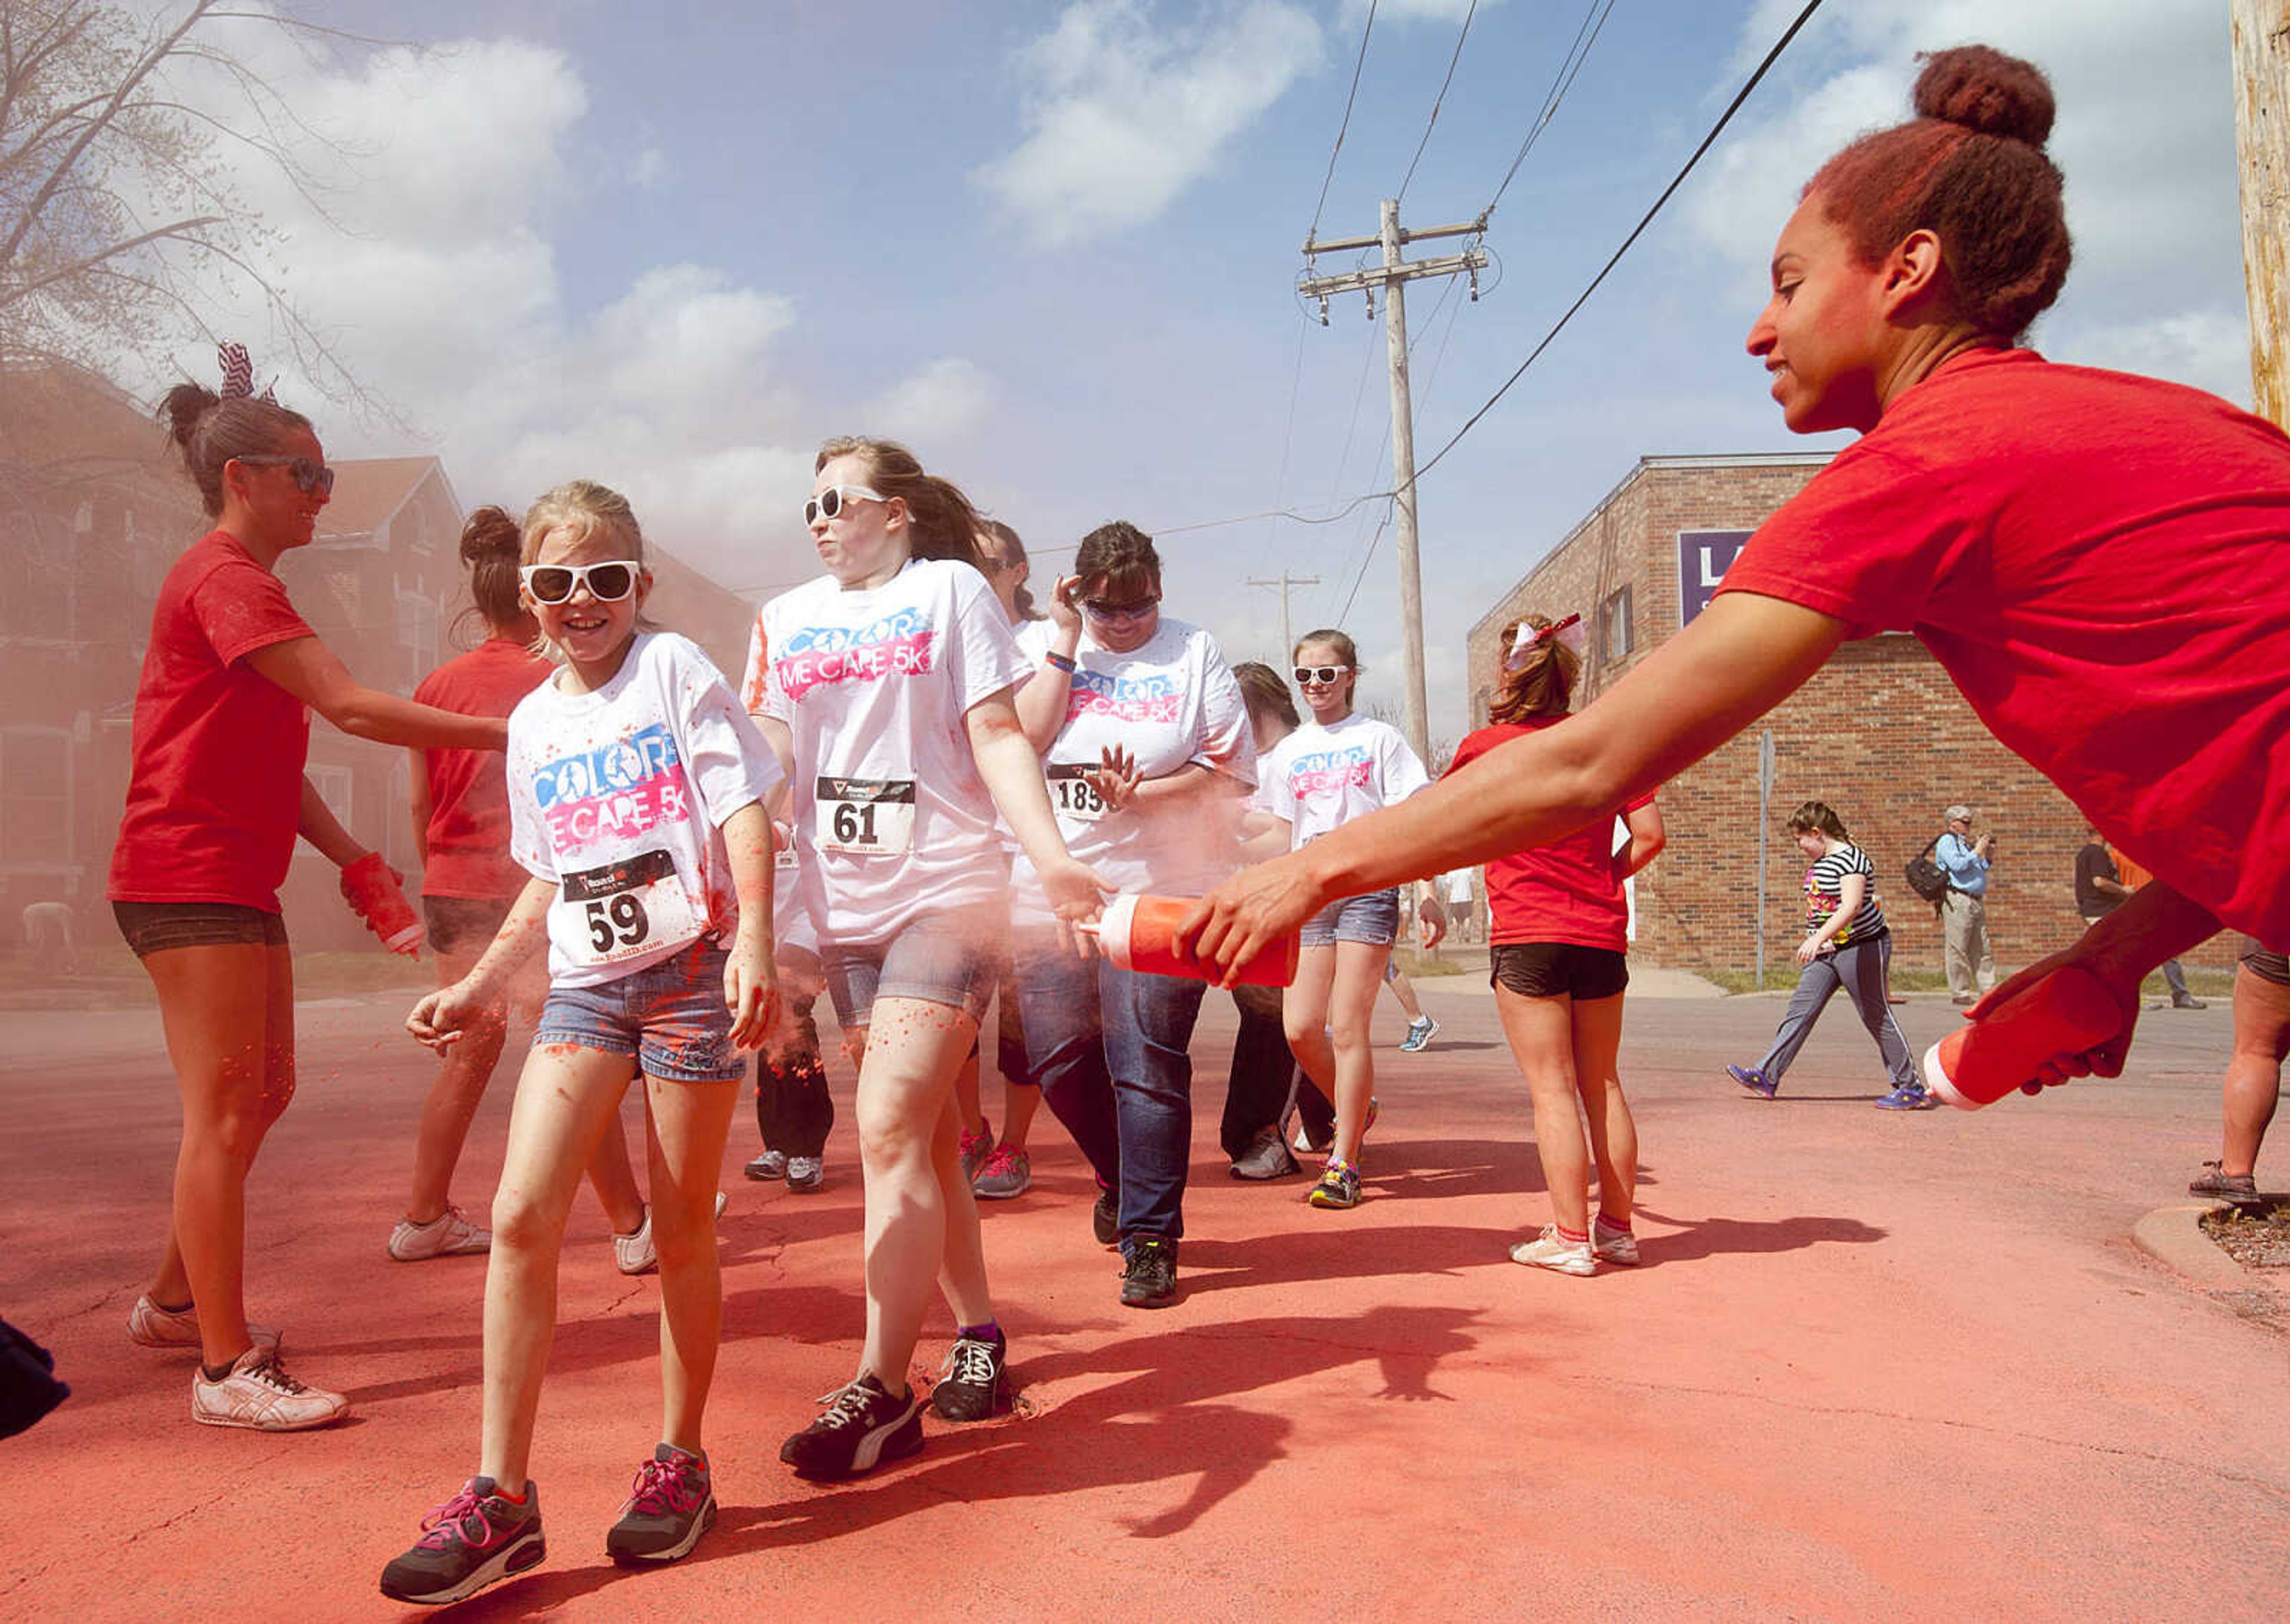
<point>951,958</point>
<point>1372,919</point>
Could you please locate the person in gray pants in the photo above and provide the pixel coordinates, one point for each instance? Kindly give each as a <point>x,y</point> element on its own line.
<point>1846,944</point>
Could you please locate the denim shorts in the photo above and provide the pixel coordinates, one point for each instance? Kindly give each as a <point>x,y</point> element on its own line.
<point>1372,918</point>
<point>670,1016</point>
<point>154,927</point>
<point>952,958</point>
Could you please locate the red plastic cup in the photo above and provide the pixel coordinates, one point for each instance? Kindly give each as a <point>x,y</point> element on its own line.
<point>1139,933</point>
<point>2063,1014</point>
<point>372,889</point>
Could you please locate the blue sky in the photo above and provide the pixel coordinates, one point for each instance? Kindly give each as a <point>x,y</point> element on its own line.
<point>1054,246</point>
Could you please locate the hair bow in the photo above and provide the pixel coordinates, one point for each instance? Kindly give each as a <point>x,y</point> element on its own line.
<point>1526,637</point>
<point>238,372</point>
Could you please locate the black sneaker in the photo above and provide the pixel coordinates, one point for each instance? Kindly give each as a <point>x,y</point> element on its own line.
<point>1105,1217</point>
<point>470,1542</point>
<point>861,1427</point>
<point>973,1383</point>
<point>671,1505</point>
<point>1149,1279</point>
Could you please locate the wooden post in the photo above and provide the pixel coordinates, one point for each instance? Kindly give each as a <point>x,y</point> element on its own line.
<point>2261,129</point>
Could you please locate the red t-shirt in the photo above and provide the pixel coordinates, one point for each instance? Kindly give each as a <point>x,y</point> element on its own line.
<point>2102,563</point>
<point>469,789</point>
<point>215,796</point>
<point>1565,891</point>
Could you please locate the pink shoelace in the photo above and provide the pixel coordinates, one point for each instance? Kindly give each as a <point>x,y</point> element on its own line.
<point>447,1524</point>
<point>1002,1161</point>
<point>663,1486</point>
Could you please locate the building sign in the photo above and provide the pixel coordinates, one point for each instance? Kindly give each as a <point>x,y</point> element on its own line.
<point>1703,557</point>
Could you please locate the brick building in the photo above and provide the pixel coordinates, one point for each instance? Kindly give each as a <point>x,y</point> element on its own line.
<point>1881,734</point>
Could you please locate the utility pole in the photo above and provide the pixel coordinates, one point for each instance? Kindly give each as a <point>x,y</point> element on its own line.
<point>1393,275</point>
<point>2261,129</point>
<point>1286,581</point>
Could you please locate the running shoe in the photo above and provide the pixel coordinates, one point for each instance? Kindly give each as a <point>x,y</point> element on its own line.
<point>1105,1217</point>
<point>1339,1186</point>
<point>1547,1251</point>
<point>150,1325</point>
<point>635,1254</point>
<point>1612,1245</point>
<point>974,1380</point>
<point>258,1395</point>
<point>1306,1145</point>
<point>1908,1097</point>
<point>806,1173</point>
<point>977,1145</point>
<point>1420,1034</point>
<point>449,1235</point>
<point>2216,1182</point>
<point>1756,1081</point>
<point>1148,1278</point>
<point>1266,1158</point>
<point>673,1502</point>
<point>861,1427</point>
<point>769,1167</point>
<point>472,1540</point>
<point>1005,1174</point>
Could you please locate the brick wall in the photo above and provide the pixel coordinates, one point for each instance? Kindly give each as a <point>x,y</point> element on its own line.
<point>1881,734</point>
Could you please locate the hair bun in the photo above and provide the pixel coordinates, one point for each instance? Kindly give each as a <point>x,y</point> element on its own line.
<point>1987,92</point>
<point>490,533</point>
<point>182,409</point>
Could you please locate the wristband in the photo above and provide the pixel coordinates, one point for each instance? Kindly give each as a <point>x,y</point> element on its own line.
<point>1059,661</point>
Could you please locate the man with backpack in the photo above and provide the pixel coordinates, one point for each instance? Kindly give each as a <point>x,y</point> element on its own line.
<point>1964,906</point>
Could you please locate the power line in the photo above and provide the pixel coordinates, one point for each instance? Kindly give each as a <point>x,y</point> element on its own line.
<point>1436,100</point>
<point>1568,67</point>
<point>1346,124</point>
<point>1430,380</point>
<point>1288,434</point>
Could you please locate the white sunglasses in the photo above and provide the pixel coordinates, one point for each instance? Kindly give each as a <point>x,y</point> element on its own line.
<point>556,583</point>
<point>829,502</point>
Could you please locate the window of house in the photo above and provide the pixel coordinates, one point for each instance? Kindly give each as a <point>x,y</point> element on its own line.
<point>35,796</point>
<point>417,632</point>
<point>332,784</point>
<point>1616,627</point>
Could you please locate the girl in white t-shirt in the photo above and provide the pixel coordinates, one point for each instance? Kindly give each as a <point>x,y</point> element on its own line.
<point>887,695</point>
<point>636,789</point>
<point>1336,767</point>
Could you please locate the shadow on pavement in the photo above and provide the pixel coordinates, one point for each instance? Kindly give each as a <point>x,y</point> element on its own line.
<point>1710,1236</point>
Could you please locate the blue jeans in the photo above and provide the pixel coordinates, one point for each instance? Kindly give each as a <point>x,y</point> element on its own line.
<point>1109,1048</point>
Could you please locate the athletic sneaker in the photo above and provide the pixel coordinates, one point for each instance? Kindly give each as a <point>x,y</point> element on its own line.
<point>470,1542</point>
<point>1105,1217</point>
<point>1306,1145</point>
<point>1755,1080</point>
<point>449,1235</point>
<point>1612,1245</point>
<point>150,1325</point>
<point>1266,1158</point>
<point>1149,1279</point>
<point>1339,1186</point>
<point>768,1167</point>
<point>671,1505</point>
<point>1004,1174</point>
<point>1908,1097</point>
<point>635,1254</point>
<point>973,1381</point>
<point>258,1395</point>
<point>976,1147</point>
<point>1546,1251</point>
<point>2216,1182</point>
<point>806,1173</point>
<point>861,1427</point>
<point>1420,1034</point>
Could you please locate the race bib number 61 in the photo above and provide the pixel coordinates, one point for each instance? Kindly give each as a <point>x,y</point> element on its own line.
<point>630,907</point>
<point>873,817</point>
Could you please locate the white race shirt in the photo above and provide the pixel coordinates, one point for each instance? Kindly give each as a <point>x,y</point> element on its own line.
<point>618,798</point>
<point>1320,778</point>
<point>1169,702</point>
<point>891,819</point>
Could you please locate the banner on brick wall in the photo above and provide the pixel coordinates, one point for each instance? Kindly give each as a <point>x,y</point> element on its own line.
<point>1703,557</point>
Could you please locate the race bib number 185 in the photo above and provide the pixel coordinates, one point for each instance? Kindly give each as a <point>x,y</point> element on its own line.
<point>873,817</point>
<point>1073,796</point>
<point>630,907</point>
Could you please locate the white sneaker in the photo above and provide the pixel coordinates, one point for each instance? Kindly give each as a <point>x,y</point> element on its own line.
<point>635,1254</point>
<point>449,1235</point>
<point>804,1173</point>
<point>150,1325</point>
<point>1613,1245</point>
<point>1546,1251</point>
<point>259,1396</point>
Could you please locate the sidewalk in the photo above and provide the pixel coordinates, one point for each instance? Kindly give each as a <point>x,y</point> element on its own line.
<point>1908,1367</point>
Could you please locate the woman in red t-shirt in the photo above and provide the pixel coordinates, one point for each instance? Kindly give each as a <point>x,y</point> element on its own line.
<point>2053,533</point>
<point>215,799</point>
<point>1560,933</point>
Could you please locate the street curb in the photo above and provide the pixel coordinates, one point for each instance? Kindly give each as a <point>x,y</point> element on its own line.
<point>2174,1236</point>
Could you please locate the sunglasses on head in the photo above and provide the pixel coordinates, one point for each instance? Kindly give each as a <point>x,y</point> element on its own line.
<point>1098,609</point>
<point>556,583</point>
<point>1323,674</point>
<point>830,501</point>
<point>313,476</point>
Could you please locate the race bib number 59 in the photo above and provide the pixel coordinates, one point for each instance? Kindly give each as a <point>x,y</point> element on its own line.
<point>873,817</point>
<point>627,909</point>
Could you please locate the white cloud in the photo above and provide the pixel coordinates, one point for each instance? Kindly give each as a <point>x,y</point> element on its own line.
<point>2207,348</point>
<point>947,399</point>
<point>1124,113</point>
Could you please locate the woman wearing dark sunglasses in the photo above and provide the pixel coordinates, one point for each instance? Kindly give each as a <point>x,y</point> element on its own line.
<point>1144,741</point>
<point>1337,767</point>
<point>215,799</point>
